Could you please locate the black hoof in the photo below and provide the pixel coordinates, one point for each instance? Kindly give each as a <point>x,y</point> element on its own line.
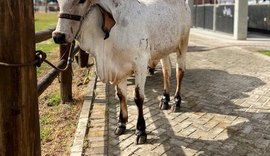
<point>164,102</point>
<point>175,108</point>
<point>121,129</point>
<point>164,105</point>
<point>141,137</point>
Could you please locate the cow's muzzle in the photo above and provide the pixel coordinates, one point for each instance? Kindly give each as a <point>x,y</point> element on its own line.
<point>59,38</point>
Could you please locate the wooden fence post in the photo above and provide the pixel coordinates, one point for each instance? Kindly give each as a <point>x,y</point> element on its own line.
<point>66,76</point>
<point>19,116</point>
<point>83,58</point>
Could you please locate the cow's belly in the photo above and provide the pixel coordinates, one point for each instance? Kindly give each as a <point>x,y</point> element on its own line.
<point>161,53</point>
<point>113,72</point>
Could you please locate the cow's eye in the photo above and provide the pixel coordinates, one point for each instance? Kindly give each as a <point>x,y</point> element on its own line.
<point>81,1</point>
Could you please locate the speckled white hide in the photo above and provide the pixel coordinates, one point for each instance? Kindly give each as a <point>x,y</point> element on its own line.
<point>144,29</point>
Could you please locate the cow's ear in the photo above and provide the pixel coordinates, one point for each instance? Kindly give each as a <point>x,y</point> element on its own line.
<point>108,22</point>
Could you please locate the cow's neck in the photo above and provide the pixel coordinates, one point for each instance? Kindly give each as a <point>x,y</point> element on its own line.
<point>110,5</point>
<point>92,40</point>
<point>91,32</point>
<point>106,4</point>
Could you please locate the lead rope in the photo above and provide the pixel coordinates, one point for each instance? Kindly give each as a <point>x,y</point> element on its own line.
<point>40,57</point>
<point>69,60</point>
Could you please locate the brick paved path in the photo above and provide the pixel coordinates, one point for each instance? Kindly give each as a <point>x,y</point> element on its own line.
<point>225,110</point>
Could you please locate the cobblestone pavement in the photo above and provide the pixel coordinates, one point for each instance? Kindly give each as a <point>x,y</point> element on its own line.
<point>225,109</point>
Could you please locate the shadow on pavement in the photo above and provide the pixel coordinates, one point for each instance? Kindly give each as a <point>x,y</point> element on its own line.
<point>205,92</point>
<point>213,92</point>
<point>196,48</point>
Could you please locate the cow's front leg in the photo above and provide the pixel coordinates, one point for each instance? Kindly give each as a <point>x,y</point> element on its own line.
<point>140,77</point>
<point>140,128</point>
<point>121,90</point>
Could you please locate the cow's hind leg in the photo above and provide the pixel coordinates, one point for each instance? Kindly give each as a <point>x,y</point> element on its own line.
<point>166,69</point>
<point>180,70</point>
<point>121,90</point>
<point>152,66</point>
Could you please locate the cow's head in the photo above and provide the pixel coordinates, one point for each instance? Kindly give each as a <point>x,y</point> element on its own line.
<point>70,18</point>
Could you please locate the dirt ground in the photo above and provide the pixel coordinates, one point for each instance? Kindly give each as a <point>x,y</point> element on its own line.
<point>58,121</point>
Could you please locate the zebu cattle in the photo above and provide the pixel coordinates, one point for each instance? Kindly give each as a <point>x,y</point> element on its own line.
<point>123,35</point>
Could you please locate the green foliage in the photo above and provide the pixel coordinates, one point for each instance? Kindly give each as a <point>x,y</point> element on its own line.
<point>45,134</point>
<point>44,130</point>
<point>54,99</point>
<point>44,21</point>
<point>47,46</point>
<point>265,52</point>
<point>87,77</point>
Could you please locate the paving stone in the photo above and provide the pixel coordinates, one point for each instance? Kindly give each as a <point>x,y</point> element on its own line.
<point>98,150</point>
<point>223,135</point>
<point>130,150</point>
<point>147,153</point>
<point>189,151</point>
<point>98,144</point>
<point>159,149</point>
<point>225,108</point>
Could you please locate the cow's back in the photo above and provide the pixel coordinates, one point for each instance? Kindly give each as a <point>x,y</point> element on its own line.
<point>153,25</point>
<point>169,21</point>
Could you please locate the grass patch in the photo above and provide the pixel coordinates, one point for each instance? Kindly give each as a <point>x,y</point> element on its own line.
<point>45,131</point>
<point>45,134</point>
<point>265,52</point>
<point>54,99</point>
<point>44,21</point>
<point>48,47</point>
<point>87,77</point>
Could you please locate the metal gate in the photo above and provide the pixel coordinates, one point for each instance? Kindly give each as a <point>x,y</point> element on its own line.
<point>203,14</point>
<point>214,15</point>
<point>218,15</point>
<point>259,17</point>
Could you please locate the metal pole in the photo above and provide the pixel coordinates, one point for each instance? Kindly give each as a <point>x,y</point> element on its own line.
<point>214,15</point>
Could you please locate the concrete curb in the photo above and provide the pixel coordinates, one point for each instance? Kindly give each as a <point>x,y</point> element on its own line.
<point>252,38</point>
<point>78,142</point>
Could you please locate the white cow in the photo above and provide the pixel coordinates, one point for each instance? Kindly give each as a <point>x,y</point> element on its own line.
<point>123,35</point>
